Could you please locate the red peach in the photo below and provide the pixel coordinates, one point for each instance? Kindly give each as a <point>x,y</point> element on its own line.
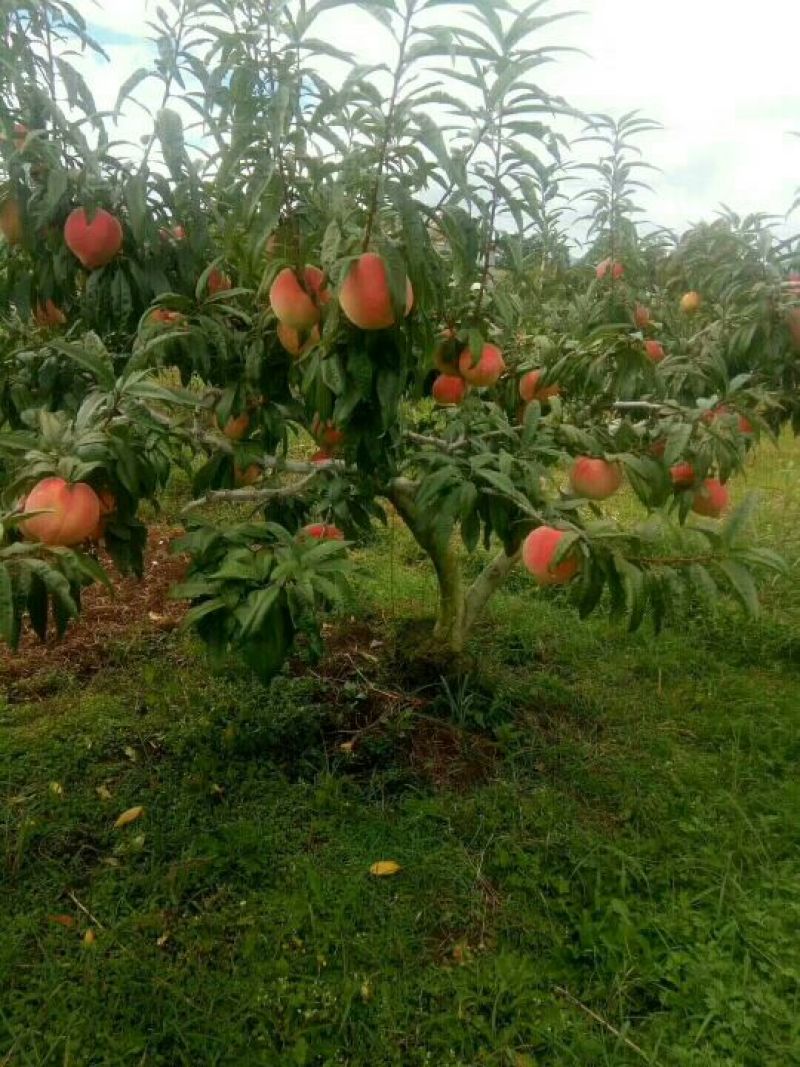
<point>602,269</point>
<point>529,387</point>
<point>448,390</point>
<point>165,317</point>
<point>538,550</point>
<point>94,243</point>
<point>364,295</point>
<point>595,479</point>
<point>321,531</point>
<point>248,476</point>
<point>641,316</point>
<point>49,315</point>
<point>682,475</point>
<point>297,344</point>
<point>326,433</point>
<point>235,428</point>
<point>488,368</point>
<point>297,305</point>
<point>654,350</point>
<point>69,512</point>
<point>218,282</point>
<point>711,498</point>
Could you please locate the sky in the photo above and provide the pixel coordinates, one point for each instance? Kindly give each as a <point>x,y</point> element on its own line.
<point>720,75</point>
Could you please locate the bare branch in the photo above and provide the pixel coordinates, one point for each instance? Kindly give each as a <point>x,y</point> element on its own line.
<point>250,495</point>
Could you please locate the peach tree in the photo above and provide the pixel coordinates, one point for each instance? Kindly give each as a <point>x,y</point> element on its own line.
<point>375,257</point>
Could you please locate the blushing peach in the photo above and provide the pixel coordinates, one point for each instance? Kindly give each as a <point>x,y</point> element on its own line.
<point>487,370</point>
<point>48,315</point>
<point>297,344</point>
<point>322,531</point>
<point>538,551</point>
<point>682,475</point>
<point>364,295</point>
<point>70,512</point>
<point>595,479</point>
<point>95,243</point>
<point>448,390</point>
<point>711,498</point>
<point>654,351</point>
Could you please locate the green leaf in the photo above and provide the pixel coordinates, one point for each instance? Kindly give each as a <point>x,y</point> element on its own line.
<point>129,85</point>
<point>742,584</point>
<point>7,610</point>
<point>252,615</point>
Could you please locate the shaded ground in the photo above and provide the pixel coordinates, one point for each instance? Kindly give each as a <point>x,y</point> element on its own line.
<point>129,611</point>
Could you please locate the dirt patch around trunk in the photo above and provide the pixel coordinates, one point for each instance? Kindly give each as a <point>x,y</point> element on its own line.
<point>132,609</point>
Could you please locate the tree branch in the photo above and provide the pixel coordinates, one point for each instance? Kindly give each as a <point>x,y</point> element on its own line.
<point>486,585</point>
<point>249,495</point>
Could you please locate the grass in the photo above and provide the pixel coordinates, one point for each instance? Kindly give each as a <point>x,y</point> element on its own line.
<point>598,836</point>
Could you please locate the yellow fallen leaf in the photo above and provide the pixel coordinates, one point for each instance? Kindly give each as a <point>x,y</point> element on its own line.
<point>385,868</point>
<point>89,937</point>
<point>57,788</point>
<point>129,816</point>
<point>347,746</point>
<point>103,792</point>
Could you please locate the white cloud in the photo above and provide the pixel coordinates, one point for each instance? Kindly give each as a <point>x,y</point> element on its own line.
<point>720,76</point>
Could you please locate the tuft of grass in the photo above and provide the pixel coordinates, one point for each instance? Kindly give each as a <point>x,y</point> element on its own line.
<point>597,831</point>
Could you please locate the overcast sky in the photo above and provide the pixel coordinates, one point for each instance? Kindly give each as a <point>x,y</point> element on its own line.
<point>721,75</point>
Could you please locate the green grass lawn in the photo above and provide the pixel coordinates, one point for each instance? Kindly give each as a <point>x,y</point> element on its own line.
<point>598,835</point>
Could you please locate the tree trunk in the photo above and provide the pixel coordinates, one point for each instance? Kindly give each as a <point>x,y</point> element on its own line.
<point>458,610</point>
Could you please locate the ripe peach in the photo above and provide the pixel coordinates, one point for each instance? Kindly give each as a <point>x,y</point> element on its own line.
<point>595,479</point>
<point>529,387</point>
<point>325,433</point>
<point>682,475</point>
<point>173,233</point>
<point>218,282</point>
<point>11,222</point>
<point>658,448</point>
<point>235,428</point>
<point>448,390</point>
<point>654,350</point>
<point>538,550</point>
<point>321,456</point>
<point>297,344</point>
<point>321,531</point>
<point>744,424</point>
<point>70,513</point>
<point>711,498</point>
<point>364,295</point>
<point>602,269</point>
<point>488,368</point>
<point>641,316</point>
<point>94,243</point>
<point>165,317</point>
<point>49,315</point>
<point>249,476</point>
<point>297,305</point>
<point>690,302</point>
